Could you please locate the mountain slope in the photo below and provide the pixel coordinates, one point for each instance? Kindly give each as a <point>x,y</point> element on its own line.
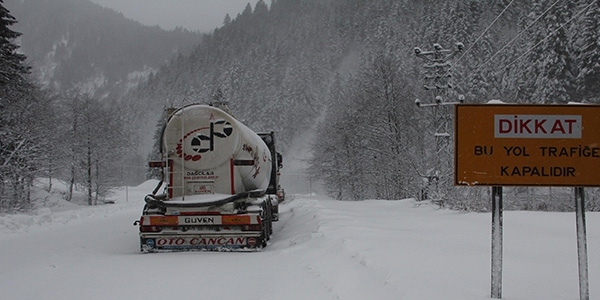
<point>272,64</point>
<point>79,44</point>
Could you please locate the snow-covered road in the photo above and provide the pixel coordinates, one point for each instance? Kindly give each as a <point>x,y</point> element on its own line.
<point>321,249</point>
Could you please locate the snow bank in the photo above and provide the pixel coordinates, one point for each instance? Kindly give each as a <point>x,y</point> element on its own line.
<point>53,211</point>
<point>321,249</point>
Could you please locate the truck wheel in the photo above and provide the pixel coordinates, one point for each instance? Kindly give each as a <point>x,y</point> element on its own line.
<point>263,237</point>
<point>270,217</point>
<point>267,220</point>
<point>266,223</point>
<point>275,212</point>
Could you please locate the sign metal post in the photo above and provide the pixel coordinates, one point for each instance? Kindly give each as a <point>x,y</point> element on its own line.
<point>497,242</point>
<point>528,145</point>
<point>584,293</point>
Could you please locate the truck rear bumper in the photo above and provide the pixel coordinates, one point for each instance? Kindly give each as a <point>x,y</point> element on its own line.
<point>218,242</point>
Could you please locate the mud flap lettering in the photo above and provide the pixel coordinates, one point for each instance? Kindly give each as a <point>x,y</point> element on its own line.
<point>200,241</point>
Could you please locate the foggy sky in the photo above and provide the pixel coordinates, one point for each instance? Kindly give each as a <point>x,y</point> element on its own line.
<point>202,15</point>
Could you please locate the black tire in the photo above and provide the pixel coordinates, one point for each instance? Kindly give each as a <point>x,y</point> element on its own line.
<point>275,210</point>
<point>266,223</point>
<point>270,217</point>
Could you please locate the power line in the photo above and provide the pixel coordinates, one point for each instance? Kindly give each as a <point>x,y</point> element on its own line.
<point>549,35</point>
<point>511,41</point>
<point>486,30</point>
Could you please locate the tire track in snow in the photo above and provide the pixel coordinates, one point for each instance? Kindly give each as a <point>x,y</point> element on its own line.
<point>343,272</point>
<point>291,235</point>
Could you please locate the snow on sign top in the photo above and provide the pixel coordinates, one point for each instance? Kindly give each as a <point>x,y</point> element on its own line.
<point>527,145</point>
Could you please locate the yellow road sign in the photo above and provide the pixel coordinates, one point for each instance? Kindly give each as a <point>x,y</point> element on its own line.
<point>527,145</point>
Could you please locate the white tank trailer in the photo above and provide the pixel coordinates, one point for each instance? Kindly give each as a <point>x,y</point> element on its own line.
<point>220,185</point>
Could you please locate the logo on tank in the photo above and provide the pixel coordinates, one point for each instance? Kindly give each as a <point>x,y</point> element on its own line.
<point>256,166</point>
<point>202,140</point>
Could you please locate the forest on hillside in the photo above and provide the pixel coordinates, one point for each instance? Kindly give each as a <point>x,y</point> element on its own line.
<point>347,70</point>
<point>63,66</point>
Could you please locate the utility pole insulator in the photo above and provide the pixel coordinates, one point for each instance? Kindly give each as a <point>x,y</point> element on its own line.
<point>437,67</point>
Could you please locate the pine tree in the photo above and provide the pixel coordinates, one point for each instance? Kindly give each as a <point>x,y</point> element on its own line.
<point>589,75</point>
<point>554,63</point>
<point>261,8</point>
<point>226,20</point>
<point>20,142</point>
<point>12,64</point>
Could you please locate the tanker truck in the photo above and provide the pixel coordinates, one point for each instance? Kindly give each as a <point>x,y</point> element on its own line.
<point>220,184</point>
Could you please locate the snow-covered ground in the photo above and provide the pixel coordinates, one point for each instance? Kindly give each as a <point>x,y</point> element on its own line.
<point>321,249</point>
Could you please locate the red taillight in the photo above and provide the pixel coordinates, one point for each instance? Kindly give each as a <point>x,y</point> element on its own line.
<point>150,229</point>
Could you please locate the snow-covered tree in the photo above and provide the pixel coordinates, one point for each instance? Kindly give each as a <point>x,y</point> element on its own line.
<point>12,63</point>
<point>96,140</point>
<point>25,122</point>
<point>588,79</point>
<point>556,62</point>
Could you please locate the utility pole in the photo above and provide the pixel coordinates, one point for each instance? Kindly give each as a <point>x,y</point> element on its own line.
<point>437,79</point>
